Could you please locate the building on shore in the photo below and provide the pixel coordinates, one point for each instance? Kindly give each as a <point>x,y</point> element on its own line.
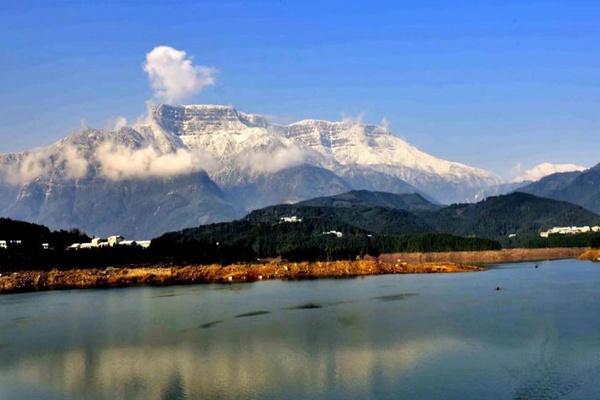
<point>569,230</point>
<point>114,240</point>
<point>111,241</point>
<point>4,244</point>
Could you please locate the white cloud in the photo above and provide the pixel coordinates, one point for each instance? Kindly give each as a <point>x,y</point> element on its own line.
<point>173,76</point>
<point>385,124</point>
<point>353,120</point>
<point>34,164</point>
<point>114,162</point>
<point>542,170</point>
<point>273,160</point>
<point>75,165</point>
<point>118,162</point>
<point>116,123</point>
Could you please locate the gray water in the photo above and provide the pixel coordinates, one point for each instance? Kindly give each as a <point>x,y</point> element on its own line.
<point>438,336</point>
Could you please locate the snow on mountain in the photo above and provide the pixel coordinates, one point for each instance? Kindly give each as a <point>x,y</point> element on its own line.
<point>248,146</point>
<point>203,163</point>
<point>351,143</point>
<point>544,169</point>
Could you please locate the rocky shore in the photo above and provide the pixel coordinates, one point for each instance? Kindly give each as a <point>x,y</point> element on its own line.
<point>26,281</point>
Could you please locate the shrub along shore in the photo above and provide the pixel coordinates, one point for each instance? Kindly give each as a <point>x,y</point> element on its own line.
<point>399,263</point>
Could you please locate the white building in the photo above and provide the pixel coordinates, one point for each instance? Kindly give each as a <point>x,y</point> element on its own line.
<point>4,243</point>
<point>115,240</point>
<point>98,242</point>
<point>144,243</point>
<point>292,219</point>
<point>569,230</point>
<point>111,241</point>
<point>334,233</point>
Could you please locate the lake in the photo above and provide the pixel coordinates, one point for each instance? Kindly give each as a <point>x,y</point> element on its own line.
<point>436,336</point>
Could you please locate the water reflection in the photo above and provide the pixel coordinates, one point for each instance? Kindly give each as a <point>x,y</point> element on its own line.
<point>219,371</point>
<point>339,339</point>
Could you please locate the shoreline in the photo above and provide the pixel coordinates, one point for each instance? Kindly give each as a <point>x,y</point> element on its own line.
<point>30,281</point>
<point>590,255</point>
<point>490,256</point>
<point>398,263</point>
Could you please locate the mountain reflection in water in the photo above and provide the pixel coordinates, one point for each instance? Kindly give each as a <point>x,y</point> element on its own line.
<point>387,337</point>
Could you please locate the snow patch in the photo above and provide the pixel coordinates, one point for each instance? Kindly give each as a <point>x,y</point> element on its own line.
<point>544,169</point>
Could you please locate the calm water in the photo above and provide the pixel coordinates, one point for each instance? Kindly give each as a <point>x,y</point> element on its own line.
<point>386,337</point>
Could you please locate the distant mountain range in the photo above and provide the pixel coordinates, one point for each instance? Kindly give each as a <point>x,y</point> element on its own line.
<point>189,165</point>
<point>332,227</point>
<point>385,213</point>
<point>517,213</point>
<point>582,188</point>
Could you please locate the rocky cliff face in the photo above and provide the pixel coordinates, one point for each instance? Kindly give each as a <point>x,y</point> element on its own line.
<point>187,165</point>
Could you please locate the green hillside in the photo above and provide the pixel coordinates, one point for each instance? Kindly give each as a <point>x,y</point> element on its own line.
<point>516,213</point>
<point>408,202</point>
<point>582,188</point>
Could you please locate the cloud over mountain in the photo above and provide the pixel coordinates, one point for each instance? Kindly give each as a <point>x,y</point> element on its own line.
<point>29,166</point>
<point>173,76</point>
<point>273,160</point>
<point>118,162</point>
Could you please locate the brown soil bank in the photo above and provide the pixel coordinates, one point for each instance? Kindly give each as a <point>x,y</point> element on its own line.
<point>26,281</point>
<point>399,263</point>
<point>591,255</point>
<point>487,256</point>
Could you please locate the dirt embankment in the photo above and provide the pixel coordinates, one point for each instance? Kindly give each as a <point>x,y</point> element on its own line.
<point>400,263</point>
<point>488,256</point>
<point>25,281</point>
<point>591,255</point>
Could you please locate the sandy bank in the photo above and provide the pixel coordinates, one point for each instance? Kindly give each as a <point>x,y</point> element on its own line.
<point>25,281</point>
<point>591,255</point>
<point>487,256</point>
<point>399,263</point>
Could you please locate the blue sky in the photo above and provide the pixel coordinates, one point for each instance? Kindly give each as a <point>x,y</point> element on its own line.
<point>488,83</point>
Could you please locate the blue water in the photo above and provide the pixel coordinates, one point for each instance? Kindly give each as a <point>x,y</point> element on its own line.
<point>436,336</point>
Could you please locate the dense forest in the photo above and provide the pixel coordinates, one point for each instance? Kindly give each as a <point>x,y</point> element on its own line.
<point>345,226</point>
<point>306,241</point>
<point>518,213</point>
<point>495,218</point>
<point>239,241</point>
<point>591,239</point>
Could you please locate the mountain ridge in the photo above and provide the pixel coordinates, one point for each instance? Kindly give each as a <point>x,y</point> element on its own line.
<point>241,161</point>
<point>496,218</point>
<point>579,187</point>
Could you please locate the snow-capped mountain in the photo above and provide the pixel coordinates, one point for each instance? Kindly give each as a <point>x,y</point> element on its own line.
<point>247,145</point>
<point>186,165</point>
